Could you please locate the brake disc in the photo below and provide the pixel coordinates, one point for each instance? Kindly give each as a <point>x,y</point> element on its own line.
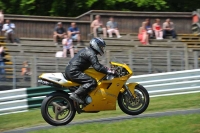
<point>133,102</point>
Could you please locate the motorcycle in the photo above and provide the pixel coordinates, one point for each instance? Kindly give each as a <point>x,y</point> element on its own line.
<point>58,109</point>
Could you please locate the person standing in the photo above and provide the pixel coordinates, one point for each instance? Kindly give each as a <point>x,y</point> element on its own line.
<point>168,28</point>
<point>112,28</point>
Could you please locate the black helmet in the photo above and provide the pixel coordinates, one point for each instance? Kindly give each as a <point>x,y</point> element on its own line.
<point>98,45</point>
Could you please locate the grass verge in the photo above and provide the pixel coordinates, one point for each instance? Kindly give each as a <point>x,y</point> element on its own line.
<point>33,117</point>
<point>168,124</point>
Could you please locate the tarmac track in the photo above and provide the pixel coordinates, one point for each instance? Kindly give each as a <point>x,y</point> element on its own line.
<point>111,119</point>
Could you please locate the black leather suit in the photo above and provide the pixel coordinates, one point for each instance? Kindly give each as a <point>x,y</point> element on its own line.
<point>75,69</point>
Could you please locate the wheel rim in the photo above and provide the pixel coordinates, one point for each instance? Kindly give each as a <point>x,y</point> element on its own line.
<point>59,109</point>
<point>134,104</point>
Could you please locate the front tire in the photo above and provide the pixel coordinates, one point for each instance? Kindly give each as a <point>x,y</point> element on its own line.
<point>58,109</point>
<point>134,106</point>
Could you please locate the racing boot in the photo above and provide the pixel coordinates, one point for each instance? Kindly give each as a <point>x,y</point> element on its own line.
<point>74,96</point>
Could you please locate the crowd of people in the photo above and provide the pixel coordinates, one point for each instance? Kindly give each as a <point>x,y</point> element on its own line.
<point>156,30</point>
<point>67,37</point>
<point>73,34</point>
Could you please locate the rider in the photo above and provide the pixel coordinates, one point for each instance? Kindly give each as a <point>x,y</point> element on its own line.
<point>80,62</point>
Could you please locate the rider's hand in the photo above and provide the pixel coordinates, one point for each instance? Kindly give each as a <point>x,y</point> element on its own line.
<point>111,71</point>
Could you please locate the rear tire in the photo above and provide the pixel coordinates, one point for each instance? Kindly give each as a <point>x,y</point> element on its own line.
<point>63,104</point>
<point>138,105</point>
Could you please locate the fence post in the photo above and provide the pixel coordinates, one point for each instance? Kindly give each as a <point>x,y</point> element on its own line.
<point>182,61</point>
<point>186,57</point>
<point>196,60</point>
<point>130,59</point>
<point>14,72</point>
<point>168,61</point>
<point>107,57</point>
<point>56,62</point>
<point>34,72</point>
<point>149,63</point>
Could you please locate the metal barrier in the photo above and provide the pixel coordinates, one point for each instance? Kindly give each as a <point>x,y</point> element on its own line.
<point>142,62</point>
<point>161,84</point>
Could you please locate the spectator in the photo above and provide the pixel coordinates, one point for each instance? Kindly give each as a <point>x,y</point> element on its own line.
<point>74,32</point>
<point>168,28</point>
<point>8,28</point>
<point>158,30</point>
<point>59,32</point>
<point>1,21</point>
<point>2,70</point>
<point>97,26</point>
<point>149,28</point>
<point>112,28</point>
<point>143,35</point>
<point>67,45</point>
<point>25,71</point>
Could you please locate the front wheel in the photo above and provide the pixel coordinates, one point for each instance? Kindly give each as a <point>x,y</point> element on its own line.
<point>58,109</point>
<point>134,106</point>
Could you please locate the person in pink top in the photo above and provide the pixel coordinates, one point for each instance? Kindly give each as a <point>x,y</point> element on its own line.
<point>97,26</point>
<point>143,35</point>
<point>157,28</point>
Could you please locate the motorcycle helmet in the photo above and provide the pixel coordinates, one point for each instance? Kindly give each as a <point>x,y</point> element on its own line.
<point>98,44</point>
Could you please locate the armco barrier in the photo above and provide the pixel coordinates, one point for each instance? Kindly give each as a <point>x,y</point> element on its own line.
<point>160,84</point>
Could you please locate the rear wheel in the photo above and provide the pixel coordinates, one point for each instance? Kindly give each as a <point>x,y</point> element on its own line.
<point>58,109</point>
<point>134,106</point>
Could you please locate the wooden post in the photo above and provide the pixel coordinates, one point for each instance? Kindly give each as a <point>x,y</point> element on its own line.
<point>149,63</point>
<point>196,66</point>
<point>168,61</point>
<point>14,73</point>
<point>186,57</point>
<point>34,72</point>
<point>130,59</point>
<point>107,57</point>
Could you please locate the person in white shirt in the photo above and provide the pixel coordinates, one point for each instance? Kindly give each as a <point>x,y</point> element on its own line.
<point>67,45</point>
<point>8,28</point>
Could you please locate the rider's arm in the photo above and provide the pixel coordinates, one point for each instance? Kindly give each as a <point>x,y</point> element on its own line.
<point>96,65</point>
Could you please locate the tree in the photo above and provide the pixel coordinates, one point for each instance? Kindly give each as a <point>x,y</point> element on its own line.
<point>77,7</point>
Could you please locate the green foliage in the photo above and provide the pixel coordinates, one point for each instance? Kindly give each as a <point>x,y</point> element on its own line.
<point>77,7</point>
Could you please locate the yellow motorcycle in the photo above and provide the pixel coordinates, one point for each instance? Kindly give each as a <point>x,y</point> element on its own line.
<point>58,109</point>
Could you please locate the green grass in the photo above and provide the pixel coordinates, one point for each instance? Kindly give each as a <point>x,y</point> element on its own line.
<point>168,124</point>
<point>34,117</point>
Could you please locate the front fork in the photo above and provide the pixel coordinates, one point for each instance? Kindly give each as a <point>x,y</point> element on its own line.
<point>130,89</point>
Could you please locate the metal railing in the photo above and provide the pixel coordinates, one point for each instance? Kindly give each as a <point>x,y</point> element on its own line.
<point>143,62</point>
<point>160,84</point>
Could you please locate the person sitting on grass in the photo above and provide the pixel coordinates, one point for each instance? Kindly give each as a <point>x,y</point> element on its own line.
<point>59,32</point>
<point>67,45</point>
